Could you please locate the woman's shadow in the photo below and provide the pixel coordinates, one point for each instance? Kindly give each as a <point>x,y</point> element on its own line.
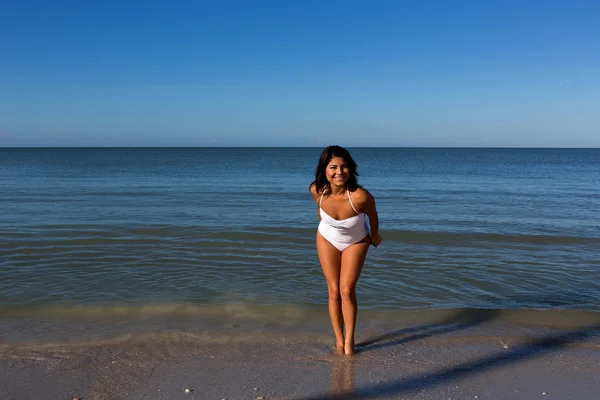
<point>461,320</point>
<point>343,368</point>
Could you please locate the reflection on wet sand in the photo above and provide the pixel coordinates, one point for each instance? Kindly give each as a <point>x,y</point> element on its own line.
<point>342,375</point>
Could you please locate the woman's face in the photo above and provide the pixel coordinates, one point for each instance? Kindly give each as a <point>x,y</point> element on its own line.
<point>337,171</point>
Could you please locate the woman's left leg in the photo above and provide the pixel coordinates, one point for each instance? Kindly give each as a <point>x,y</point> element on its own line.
<point>353,259</point>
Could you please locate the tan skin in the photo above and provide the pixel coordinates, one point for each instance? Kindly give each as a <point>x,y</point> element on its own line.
<point>342,268</point>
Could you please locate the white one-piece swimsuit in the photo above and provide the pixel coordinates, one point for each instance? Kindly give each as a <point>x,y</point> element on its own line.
<point>343,233</point>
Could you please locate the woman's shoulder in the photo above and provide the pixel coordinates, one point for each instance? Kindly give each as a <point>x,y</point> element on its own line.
<point>360,194</point>
<point>313,191</point>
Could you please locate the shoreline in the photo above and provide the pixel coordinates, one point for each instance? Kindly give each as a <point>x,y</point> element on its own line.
<point>88,325</point>
<point>408,364</point>
<point>440,354</point>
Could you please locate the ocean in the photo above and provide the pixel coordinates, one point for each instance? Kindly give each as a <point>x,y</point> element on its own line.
<point>95,242</point>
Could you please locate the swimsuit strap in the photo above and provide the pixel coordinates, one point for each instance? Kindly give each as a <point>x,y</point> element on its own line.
<point>320,201</point>
<point>351,205</point>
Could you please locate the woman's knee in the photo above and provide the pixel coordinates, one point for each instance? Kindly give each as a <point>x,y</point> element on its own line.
<point>334,293</point>
<point>348,291</point>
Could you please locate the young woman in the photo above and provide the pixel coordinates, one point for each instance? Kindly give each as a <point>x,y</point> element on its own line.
<point>343,237</point>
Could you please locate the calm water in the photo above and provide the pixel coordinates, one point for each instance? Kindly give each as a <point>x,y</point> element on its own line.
<point>157,229</point>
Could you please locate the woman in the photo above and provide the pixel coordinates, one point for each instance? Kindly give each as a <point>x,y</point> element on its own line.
<point>342,237</point>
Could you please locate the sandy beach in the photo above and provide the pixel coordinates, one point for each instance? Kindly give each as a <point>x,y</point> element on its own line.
<point>412,362</point>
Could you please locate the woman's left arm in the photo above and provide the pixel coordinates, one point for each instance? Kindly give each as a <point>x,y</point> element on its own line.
<point>370,209</point>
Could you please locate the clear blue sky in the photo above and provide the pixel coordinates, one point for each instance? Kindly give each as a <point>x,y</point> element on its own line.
<point>300,73</point>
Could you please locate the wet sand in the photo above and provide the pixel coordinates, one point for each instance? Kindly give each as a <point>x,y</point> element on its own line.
<point>409,363</point>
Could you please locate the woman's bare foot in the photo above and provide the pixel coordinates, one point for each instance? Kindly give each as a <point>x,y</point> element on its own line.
<point>339,348</point>
<point>349,349</point>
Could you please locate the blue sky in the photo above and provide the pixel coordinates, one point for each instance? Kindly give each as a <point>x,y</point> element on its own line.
<point>300,73</point>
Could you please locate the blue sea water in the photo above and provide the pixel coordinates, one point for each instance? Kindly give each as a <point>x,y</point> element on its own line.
<point>128,231</point>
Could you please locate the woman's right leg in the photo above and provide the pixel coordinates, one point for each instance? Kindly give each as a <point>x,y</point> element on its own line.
<point>353,259</point>
<point>331,262</point>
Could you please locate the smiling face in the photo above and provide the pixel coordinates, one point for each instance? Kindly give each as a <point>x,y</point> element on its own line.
<point>337,171</point>
<point>335,168</point>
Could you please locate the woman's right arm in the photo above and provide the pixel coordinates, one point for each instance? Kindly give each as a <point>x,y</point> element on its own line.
<point>315,195</point>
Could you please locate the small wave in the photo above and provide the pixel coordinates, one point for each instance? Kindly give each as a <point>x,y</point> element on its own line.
<point>449,238</point>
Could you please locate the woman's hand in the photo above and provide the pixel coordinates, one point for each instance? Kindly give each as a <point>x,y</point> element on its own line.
<point>376,240</point>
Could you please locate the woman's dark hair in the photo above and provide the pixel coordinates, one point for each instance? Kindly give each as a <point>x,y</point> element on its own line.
<point>321,183</point>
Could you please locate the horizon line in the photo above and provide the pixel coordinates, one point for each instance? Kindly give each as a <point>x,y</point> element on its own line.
<point>302,146</point>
